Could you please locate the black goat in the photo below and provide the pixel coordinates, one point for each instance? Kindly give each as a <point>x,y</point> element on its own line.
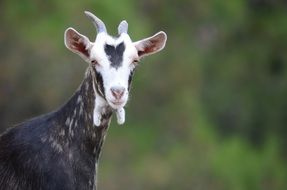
<point>60,150</point>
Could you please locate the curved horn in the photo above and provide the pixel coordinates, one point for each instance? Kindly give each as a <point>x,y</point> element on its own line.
<point>99,24</point>
<point>123,27</point>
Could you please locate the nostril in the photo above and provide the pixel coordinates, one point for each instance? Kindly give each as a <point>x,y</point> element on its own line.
<point>118,92</point>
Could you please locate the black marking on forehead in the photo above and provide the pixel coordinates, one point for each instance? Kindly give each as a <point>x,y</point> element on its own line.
<point>115,54</point>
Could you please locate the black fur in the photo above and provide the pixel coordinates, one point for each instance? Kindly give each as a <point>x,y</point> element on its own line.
<point>56,151</point>
<point>130,79</point>
<point>100,85</point>
<point>115,54</point>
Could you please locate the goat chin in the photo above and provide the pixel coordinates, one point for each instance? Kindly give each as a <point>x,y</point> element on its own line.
<point>120,111</point>
<point>117,104</point>
<point>118,107</point>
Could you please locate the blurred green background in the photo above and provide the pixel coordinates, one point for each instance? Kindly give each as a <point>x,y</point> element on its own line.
<point>208,112</point>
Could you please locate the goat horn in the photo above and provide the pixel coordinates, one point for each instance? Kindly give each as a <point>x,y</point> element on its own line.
<point>99,24</point>
<point>123,27</point>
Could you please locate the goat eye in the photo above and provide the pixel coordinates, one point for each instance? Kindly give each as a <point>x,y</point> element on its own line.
<point>135,62</point>
<point>94,62</point>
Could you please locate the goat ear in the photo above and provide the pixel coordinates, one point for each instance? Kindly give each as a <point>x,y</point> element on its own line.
<point>151,45</point>
<point>78,43</point>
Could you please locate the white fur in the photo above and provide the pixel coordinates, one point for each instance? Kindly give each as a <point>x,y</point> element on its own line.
<point>121,114</point>
<point>99,106</point>
<point>114,77</point>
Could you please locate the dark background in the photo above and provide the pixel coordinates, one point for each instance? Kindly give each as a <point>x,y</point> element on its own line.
<point>208,112</point>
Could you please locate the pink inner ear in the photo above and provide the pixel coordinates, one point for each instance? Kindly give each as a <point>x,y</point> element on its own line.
<point>149,47</point>
<point>77,43</point>
<point>79,46</point>
<point>152,44</point>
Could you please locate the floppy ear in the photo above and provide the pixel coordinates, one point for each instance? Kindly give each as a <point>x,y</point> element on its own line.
<point>151,45</point>
<point>78,43</point>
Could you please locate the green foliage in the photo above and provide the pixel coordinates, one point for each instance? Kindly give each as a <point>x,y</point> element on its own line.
<point>209,112</point>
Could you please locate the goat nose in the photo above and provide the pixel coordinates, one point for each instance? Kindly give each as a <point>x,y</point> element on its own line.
<point>118,92</point>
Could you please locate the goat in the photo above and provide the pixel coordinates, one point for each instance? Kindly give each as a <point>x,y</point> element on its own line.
<point>60,150</point>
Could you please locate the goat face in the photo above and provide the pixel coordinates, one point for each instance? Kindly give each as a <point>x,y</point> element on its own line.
<point>113,59</point>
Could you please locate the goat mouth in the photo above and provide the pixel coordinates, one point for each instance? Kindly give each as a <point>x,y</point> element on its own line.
<point>117,103</point>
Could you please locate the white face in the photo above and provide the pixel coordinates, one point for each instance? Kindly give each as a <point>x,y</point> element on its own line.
<point>114,59</point>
